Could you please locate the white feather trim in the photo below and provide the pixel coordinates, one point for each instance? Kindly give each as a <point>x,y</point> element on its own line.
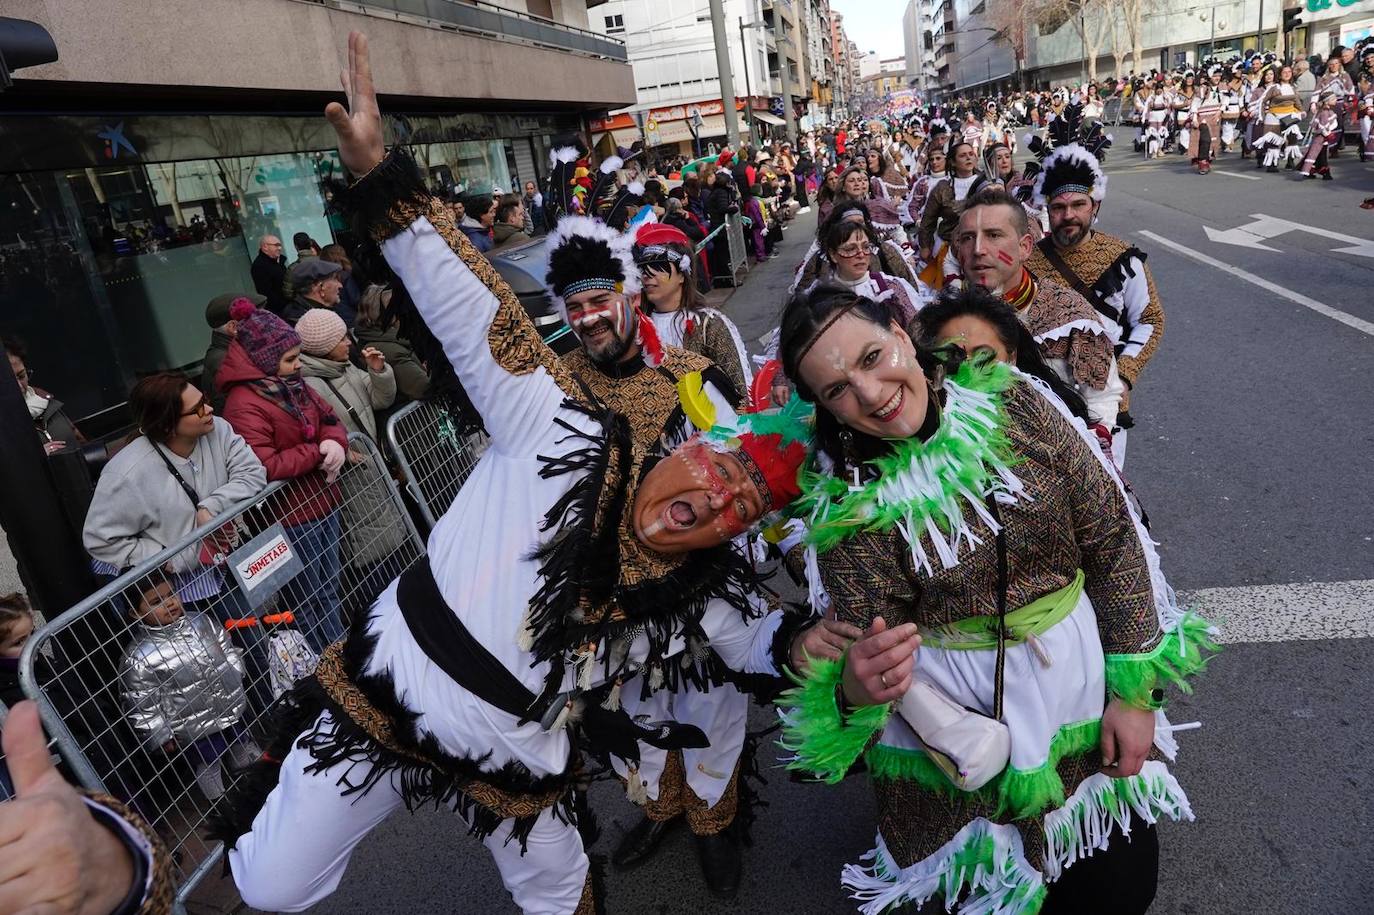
<point>563,154</point>
<point>621,246</point>
<point>1077,153</point>
<point>636,188</point>
<point>611,164</point>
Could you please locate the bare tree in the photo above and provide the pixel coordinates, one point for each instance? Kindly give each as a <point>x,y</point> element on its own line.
<point>1133,20</point>
<point>1011,19</point>
<point>1097,19</point>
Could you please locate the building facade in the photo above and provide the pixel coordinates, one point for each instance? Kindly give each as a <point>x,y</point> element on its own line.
<point>1174,33</point>
<point>671,48</point>
<point>137,174</point>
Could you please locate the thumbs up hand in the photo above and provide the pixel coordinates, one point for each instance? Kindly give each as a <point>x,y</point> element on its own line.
<point>54,857</point>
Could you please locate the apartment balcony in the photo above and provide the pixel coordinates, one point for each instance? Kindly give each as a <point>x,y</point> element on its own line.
<point>479,18</point>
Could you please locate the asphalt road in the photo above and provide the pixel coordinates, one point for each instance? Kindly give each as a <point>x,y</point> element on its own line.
<point>1252,453</point>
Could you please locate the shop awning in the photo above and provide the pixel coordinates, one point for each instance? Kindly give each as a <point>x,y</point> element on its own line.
<point>768,118</point>
<point>626,136</point>
<point>674,132</point>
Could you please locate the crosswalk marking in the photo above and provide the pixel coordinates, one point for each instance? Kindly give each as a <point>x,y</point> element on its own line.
<point>1291,612</point>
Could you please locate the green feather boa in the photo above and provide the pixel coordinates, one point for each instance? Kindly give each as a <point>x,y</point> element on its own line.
<point>920,483</point>
<point>825,741</point>
<point>1182,653</point>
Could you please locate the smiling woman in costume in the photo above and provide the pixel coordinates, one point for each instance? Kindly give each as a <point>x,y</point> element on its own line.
<point>947,496</point>
<point>472,679</point>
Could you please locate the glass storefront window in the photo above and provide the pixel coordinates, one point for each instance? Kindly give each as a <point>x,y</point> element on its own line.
<point>464,168</point>
<point>282,194</point>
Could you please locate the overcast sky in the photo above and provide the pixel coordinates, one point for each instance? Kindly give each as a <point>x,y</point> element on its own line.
<point>874,25</point>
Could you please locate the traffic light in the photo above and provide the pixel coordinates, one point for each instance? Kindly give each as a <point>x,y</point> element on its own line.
<point>23,44</point>
<point>1291,19</point>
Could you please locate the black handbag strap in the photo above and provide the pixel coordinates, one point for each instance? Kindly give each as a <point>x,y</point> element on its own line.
<point>185,487</point>
<point>357,420</point>
<point>998,677</point>
<point>1057,261</point>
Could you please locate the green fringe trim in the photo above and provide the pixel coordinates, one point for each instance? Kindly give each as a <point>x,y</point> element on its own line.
<point>825,741</point>
<point>1182,653</point>
<point>1018,793</point>
<point>833,512</point>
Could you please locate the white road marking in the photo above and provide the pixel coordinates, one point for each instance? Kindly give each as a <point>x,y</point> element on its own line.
<point>1334,314</point>
<point>1285,613</point>
<point>1221,171</point>
<point>1252,235</point>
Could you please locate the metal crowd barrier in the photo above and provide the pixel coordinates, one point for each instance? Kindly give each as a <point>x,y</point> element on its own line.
<point>166,717</point>
<point>739,259</point>
<point>433,455</point>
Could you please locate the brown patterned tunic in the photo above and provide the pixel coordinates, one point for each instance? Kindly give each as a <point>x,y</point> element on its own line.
<point>1075,518</point>
<point>1107,264</point>
<point>1087,352</point>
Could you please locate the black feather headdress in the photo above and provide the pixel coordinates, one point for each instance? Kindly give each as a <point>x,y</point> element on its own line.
<point>1070,168</point>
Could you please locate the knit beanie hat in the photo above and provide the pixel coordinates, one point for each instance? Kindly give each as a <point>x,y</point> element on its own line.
<point>263,335</point>
<point>320,330</point>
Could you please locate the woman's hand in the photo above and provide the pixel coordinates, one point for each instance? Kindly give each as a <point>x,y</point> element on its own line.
<point>1127,734</point>
<point>878,667</point>
<point>827,639</point>
<point>203,517</point>
<point>376,362</point>
<point>331,459</point>
<point>359,127</point>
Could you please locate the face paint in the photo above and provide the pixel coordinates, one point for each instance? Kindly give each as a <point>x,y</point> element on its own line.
<point>1004,257</point>
<point>695,498</point>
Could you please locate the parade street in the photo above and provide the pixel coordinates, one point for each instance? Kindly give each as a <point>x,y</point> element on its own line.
<point>1252,456</point>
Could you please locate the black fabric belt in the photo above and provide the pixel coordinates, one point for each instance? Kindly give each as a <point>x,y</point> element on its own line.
<point>446,641</point>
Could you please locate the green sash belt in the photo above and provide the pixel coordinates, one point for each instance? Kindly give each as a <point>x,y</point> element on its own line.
<point>979,633</point>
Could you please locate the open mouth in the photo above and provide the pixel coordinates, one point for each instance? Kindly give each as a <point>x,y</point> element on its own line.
<point>888,411</point>
<point>680,515</point>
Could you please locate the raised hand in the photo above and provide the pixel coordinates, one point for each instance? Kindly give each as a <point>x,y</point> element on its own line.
<point>57,858</point>
<point>359,126</point>
<point>878,667</point>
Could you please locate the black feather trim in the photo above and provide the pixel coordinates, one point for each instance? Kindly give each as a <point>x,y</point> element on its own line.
<point>1114,278</point>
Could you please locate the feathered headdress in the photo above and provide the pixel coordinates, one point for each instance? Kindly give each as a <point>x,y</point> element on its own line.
<point>574,188</point>
<point>1096,141</point>
<point>585,253</point>
<point>1063,127</point>
<point>1070,169</point>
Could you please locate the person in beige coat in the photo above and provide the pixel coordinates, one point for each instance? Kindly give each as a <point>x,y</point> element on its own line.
<point>371,533</point>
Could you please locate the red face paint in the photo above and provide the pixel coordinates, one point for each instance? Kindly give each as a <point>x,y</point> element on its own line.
<point>1004,257</point>
<point>728,522</point>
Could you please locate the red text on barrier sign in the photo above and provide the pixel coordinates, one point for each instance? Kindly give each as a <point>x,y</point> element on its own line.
<point>256,567</point>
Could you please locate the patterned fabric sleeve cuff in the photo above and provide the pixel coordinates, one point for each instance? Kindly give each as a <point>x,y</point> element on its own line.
<point>824,739</point>
<point>781,648</point>
<point>385,201</point>
<point>1139,679</point>
<point>153,887</point>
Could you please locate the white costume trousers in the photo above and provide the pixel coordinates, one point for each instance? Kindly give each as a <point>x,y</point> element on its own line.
<point>722,714</point>
<point>302,839</point>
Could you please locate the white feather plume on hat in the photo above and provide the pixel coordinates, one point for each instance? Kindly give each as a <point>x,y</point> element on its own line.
<point>1070,164</point>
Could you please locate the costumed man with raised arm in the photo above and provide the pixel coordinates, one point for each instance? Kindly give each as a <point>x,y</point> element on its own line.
<point>569,563</point>
<point>1105,270</point>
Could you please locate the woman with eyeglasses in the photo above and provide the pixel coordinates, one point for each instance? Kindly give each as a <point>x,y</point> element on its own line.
<point>850,245</point>
<point>183,467</point>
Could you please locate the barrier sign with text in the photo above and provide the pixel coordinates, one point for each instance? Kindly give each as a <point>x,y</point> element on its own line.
<point>264,565</point>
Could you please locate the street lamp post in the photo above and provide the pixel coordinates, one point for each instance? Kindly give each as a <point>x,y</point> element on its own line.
<point>748,90</point>
<point>727,86</point>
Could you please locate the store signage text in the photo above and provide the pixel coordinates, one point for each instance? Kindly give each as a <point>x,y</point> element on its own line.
<point>1315,6</point>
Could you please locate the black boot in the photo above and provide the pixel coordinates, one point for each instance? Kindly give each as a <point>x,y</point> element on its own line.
<point>642,841</point>
<point>721,863</point>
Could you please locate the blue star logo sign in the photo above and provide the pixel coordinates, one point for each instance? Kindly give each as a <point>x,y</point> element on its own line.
<point>115,141</point>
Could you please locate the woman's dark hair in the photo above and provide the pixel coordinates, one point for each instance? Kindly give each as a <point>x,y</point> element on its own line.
<point>954,151</point>
<point>841,225</point>
<point>882,161</point>
<point>156,404</point>
<point>976,302</point>
<point>336,254</point>
<point>808,314</point>
<point>824,194</point>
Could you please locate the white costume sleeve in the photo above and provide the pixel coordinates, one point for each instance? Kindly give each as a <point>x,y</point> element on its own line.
<point>1131,301</point>
<point>517,409</point>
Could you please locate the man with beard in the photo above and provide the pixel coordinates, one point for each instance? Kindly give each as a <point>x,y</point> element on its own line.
<point>1102,268</point>
<point>993,243</point>
<point>625,366</point>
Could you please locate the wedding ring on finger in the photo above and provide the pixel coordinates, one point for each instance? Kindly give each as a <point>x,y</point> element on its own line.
<point>882,678</point>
